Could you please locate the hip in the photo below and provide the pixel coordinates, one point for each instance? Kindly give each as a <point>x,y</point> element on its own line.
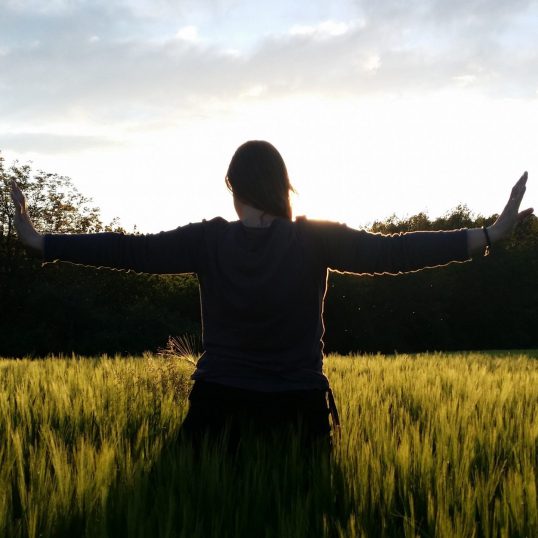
<point>212,406</point>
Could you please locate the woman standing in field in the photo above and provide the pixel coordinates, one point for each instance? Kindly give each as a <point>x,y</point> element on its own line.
<point>262,283</point>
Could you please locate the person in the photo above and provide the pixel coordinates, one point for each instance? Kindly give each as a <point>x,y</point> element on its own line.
<point>263,280</point>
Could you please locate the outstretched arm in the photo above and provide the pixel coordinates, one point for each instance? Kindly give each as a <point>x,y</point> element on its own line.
<point>358,251</point>
<point>504,225</point>
<point>174,251</point>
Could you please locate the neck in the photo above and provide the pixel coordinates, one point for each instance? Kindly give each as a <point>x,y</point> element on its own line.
<point>254,218</point>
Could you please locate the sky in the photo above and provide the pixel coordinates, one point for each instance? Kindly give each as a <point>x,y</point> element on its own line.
<point>378,108</point>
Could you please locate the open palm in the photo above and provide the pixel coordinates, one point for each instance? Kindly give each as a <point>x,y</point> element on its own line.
<point>23,225</point>
<point>511,215</point>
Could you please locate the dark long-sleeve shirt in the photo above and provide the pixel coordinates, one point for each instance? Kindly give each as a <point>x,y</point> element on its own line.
<point>262,289</point>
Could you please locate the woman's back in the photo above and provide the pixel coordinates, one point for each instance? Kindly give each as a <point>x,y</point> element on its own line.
<point>261,293</point>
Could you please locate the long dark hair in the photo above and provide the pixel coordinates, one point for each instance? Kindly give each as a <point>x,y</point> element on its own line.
<point>258,177</point>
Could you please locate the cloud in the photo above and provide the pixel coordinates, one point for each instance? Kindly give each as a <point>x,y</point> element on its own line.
<point>188,33</point>
<point>24,142</point>
<point>112,61</point>
<point>325,29</point>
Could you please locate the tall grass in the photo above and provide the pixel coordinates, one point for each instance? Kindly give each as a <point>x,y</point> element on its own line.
<point>432,445</point>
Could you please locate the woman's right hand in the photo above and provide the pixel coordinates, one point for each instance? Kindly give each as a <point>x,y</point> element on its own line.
<point>511,215</point>
<point>28,235</point>
<point>505,223</point>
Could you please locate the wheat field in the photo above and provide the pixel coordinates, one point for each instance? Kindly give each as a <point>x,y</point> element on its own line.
<point>431,445</point>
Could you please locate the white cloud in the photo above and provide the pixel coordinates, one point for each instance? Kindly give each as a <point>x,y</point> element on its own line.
<point>322,30</point>
<point>254,91</point>
<point>234,53</point>
<point>188,33</point>
<point>51,143</point>
<point>372,63</point>
<point>465,80</point>
<point>38,6</point>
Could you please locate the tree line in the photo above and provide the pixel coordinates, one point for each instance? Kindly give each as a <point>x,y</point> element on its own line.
<point>490,303</point>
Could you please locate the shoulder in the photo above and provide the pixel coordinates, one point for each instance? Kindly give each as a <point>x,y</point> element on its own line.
<point>215,223</point>
<point>319,223</point>
<point>196,231</point>
<point>319,227</point>
<point>320,235</point>
<point>213,229</point>
<point>206,225</point>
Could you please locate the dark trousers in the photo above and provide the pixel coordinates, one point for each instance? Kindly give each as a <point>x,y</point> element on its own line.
<point>219,413</point>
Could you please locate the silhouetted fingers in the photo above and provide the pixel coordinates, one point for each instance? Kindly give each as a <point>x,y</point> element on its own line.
<point>518,191</point>
<point>16,191</point>
<point>520,195</point>
<point>524,214</point>
<point>522,180</point>
<point>15,197</point>
<point>18,197</point>
<point>520,184</point>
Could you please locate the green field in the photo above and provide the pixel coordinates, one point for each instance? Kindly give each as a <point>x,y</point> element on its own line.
<point>432,445</point>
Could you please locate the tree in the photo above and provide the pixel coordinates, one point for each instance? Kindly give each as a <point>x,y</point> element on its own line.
<point>65,307</point>
<point>55,204</point>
